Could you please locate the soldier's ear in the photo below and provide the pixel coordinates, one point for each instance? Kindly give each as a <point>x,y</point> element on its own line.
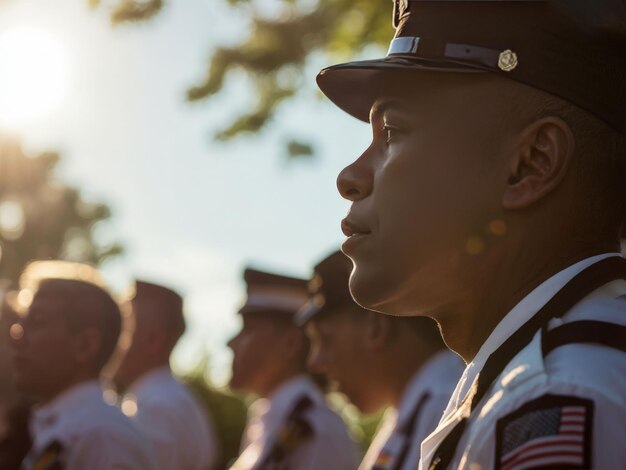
<point>541,157</point>
<point>87,344</point>
<point>294,341</point>
<point>157,340</point>
<point>378,331</point>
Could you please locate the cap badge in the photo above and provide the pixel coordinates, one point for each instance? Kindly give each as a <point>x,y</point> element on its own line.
<point>507,60</point>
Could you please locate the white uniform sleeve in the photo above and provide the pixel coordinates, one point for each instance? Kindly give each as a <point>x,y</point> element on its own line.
<point>101,449</point>
<point>179,442</point>
<point>427,422</point>
<point>601,433</point>
<point>325,452</point>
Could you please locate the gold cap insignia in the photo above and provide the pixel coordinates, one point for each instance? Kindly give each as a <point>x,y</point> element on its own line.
<point>507,60</point>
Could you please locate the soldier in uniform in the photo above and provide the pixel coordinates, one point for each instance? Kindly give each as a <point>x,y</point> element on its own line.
<point>67,333</point>
<point>290,426</point>
<point>359,351</point>
<point>491,199</point>
<point>165,410</point>
<point>14,410</point>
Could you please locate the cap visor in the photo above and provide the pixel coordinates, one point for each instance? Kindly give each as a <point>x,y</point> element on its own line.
<point>355,86</point>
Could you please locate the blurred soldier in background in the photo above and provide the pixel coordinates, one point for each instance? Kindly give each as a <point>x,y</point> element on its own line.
<point>291,426</point>
<point>491,199</point>
<point>166,411</point>
<point>377,361</point>
<point>14,435</point>
<point>68,331</point>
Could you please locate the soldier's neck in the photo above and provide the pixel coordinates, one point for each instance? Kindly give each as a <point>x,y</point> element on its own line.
<point>501,280</point>
<point>54,392</point>
<point>399,378</point>
<point>278,381</point>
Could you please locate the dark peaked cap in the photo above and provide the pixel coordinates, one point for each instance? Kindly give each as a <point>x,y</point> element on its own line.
<point>270,293</point>
<point>573,49</point>
<point>168,303</point>
<point>328,290</point>
<point>164,295</point>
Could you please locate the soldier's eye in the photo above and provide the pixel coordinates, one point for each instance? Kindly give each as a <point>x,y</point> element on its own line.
<point>391,133</point>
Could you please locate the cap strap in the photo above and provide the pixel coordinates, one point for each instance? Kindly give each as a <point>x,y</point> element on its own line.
<point>403,45</point>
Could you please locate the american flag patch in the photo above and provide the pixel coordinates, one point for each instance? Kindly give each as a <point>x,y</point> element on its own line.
<point>550,432</point>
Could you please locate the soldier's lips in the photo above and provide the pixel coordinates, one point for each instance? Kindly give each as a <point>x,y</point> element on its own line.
<point>351,227</point>
<point>356,232</point>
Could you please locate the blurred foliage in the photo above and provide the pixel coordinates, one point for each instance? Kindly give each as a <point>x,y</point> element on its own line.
<point>124,11</point>
<point>297,149</point>
<point>274,53</point>
<point>42,218</point>
<point>228,414</point>
<point>369,424</point>
<point>362,428</point>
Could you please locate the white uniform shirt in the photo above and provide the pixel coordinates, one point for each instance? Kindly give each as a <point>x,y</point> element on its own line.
<point>583,371</point>
<point>177,426</point>
<point>330,447</point>
<point>92,435</point>
<point>430,390</point>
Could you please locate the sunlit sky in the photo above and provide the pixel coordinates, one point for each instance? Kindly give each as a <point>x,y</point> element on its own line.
<point>190,212</point>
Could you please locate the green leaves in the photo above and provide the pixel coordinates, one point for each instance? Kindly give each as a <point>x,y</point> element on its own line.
<point>125,11</point>
<point>41,217</point>
<point>274,52</point>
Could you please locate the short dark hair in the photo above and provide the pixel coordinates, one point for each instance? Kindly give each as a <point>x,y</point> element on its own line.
<point>87,303</point>
<point>163,306</point>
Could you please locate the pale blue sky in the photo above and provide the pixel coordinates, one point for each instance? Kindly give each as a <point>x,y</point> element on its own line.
<point>192,213</point>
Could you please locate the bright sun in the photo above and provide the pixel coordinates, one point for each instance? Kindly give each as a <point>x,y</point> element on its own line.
<point>33,75</point>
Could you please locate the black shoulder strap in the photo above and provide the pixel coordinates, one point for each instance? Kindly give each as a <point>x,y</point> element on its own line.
<point>409,425</point>
<point>587,331</point>
<point>50,458</point>
<point>583,284</point>
<point>407,430</point>
<point>292,434</point>
<point>580,286</point>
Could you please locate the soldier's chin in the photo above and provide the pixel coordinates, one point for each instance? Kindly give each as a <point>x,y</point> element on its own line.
<point>235,384</point>
<point>363,404</point>
<point>371,290</point>
<point>241,384</point>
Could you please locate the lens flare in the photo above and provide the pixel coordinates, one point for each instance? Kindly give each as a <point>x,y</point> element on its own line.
<point>33,75</point>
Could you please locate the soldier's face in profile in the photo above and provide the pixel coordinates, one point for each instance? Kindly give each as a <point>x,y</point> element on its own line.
<point>258,354</point>
<point>423,190</point>
<point>44,347</point>
<point>339,351</point>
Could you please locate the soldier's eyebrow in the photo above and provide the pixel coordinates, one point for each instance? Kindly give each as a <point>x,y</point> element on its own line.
<point>381,107</point>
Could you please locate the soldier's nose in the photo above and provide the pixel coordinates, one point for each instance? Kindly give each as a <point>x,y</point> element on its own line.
<point>355,181</point>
